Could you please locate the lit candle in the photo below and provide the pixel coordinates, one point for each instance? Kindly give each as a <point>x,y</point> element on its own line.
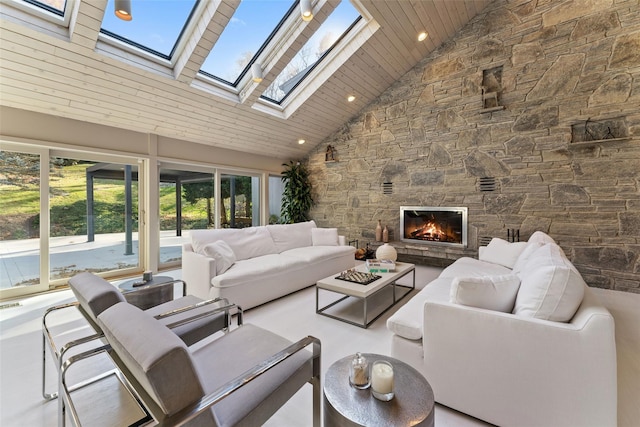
<point>382,380</point>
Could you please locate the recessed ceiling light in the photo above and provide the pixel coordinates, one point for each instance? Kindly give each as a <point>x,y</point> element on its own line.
<point>422,36</point>
<point>301,141</point>
<point>351,98</point>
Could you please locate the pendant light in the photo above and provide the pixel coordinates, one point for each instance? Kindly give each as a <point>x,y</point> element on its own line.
<point>123,9</point>
<point>305,10</point>
<point>256,72</point>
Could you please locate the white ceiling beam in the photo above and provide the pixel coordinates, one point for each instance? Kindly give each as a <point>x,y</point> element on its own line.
<point>214,18</point>
<point>85,23</point>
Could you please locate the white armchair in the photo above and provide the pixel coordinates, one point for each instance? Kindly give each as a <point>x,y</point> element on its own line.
<point>515,338</point>
<point>516,371</point>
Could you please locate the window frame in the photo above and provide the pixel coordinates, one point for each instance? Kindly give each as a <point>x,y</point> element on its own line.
<point>261,49</point>
<point>125,45</point>
<point>310,70</point>
<point>46,12</point>
<point>46,153</point>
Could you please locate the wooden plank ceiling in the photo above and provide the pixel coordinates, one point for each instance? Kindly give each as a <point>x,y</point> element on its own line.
<point>74,75</point>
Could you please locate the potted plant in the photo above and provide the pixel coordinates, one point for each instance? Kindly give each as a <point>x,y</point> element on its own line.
<point>296,195</point>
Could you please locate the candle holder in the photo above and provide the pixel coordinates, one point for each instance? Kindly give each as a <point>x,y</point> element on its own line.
<point>359,372</point>
<point>382,380</point>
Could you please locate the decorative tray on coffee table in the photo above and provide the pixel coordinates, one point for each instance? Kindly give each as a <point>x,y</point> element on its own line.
<point>358,277</point>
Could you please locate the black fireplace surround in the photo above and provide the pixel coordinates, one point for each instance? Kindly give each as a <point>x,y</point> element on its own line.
<point>430,225</point>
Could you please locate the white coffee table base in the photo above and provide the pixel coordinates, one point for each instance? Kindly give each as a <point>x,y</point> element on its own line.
<point>365,293</point>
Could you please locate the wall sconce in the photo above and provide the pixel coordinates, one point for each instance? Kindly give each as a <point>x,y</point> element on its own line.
<point>306,10</point>
<point>330,154</point>
<point>123,9</point>
<point>256,72</point>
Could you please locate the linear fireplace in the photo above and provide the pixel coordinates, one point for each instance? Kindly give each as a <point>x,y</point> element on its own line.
<point>434,225</point>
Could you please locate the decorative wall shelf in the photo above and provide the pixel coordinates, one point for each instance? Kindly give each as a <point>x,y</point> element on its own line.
<point>599,141</point>
<point>492,109</point>
<point>490,90</point>
<point>599,131</point>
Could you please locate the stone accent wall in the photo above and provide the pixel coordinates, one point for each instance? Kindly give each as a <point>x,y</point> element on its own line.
<point>564,65</point>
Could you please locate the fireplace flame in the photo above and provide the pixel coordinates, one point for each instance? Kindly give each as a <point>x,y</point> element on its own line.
<point>429,231</point>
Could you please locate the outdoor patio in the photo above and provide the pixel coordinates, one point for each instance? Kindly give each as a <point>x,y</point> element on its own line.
<point>20,259</point>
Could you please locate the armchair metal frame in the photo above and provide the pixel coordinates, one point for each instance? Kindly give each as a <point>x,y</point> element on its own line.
<point>58,355</point>
<point>152,410</point>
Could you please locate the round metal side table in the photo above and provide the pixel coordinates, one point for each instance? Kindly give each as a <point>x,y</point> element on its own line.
<point>344,405</point>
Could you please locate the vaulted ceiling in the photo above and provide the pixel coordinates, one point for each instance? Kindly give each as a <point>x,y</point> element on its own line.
<point>70,70</point>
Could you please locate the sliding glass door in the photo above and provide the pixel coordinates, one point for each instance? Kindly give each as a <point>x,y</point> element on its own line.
<point>94,217</point>
<point>63,214</point>
<point>20,223</point>
<point>239,205</point>
<point>187,203</point>
<point>276,188</point>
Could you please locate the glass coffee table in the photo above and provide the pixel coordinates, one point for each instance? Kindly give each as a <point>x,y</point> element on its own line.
<point>384,288</point>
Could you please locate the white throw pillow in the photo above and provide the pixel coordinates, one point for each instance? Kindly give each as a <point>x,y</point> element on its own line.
<point>324,236</point>
<point>496,293</point>
<point>551,288</point>
<point>540,237</point>
<point>222,253</point>
<point>524,256</point>
<point>501,252</point>
<point>250,242</point>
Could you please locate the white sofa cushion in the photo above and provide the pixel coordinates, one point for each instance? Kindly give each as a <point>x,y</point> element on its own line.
<point>550,288</point>
<point>496,293</point>
<point>222,253</point>
<point>501,252</point>
<point>256,269</point>
<point>324,236</point>
<point>313,254</point>
<point>291,236</point>
<point>246,243</point>
<point>471,267</point>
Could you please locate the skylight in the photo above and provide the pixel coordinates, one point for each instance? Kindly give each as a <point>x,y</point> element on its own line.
<point>251,27</point>
<point>332,30</point>
<point>54,6</point>
<point>156,26</point>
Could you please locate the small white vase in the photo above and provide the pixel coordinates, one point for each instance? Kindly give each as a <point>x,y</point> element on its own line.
<point>387,251</point>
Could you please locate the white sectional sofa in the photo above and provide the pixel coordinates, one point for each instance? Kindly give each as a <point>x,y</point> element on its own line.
<point>251,266</point>
<point>514,338</point>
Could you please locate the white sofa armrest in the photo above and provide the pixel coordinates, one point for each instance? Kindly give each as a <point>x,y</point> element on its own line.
<point>197,272</point>
<point>481,251</point>
<point>492,365</point>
